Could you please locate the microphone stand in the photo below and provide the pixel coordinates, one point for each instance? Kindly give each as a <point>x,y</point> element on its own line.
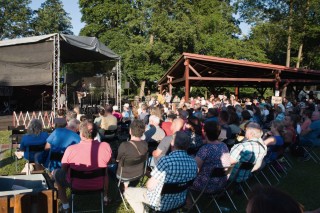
<point>42,98</point>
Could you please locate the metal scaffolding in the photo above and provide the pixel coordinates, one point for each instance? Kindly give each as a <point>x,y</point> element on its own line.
<point>56,73</point>
<point>118,67</point>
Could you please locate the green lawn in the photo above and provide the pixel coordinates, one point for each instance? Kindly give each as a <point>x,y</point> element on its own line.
<point>302,182</point>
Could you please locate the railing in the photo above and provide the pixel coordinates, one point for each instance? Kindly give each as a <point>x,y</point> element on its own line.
<point>24,118</point>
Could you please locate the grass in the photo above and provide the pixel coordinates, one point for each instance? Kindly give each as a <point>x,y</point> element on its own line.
<point>4,137</point>
<point>302,182</point>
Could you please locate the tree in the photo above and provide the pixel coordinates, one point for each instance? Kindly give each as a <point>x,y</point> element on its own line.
<point>15,18</point>
<point>150,35</point>
<point>51,18</point>
<point>292,25</point>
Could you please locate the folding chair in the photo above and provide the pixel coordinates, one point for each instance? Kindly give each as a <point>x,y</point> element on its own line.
<point>245,167</point>
<point>33,148</point>
<point>221,172</point>
<point>88,175</point>
<point>131,162</point>
<point>172,188</point>
<point>16,135</point>
<point>110,135</point>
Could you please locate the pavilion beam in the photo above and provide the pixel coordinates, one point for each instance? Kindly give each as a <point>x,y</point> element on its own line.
<point>187,79</point>
<point>231,79</point>
<point>194,71</point>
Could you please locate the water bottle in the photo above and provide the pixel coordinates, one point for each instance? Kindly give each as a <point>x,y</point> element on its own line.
<point>224,209</point>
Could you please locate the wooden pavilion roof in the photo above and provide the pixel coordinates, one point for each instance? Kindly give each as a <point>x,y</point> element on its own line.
<point>214,71</point>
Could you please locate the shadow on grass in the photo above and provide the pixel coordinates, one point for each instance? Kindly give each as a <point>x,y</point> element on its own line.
<point>6,161</point>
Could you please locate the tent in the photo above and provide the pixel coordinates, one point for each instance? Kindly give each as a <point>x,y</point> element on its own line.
<point>37,60</point>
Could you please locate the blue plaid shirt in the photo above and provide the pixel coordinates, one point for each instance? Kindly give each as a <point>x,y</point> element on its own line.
<point>173,168</point>
<point>251,151</point>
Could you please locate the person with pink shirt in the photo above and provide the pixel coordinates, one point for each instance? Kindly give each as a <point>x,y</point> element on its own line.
<point>87,155</point>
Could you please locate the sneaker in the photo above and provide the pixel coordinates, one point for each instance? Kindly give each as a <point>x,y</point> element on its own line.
<point>62,210</point>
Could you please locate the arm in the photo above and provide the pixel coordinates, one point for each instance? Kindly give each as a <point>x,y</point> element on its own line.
<point>199,163</point>
<point>156,153</point>
<point>269,141</point>
<point>152,183</point>
<point>47,146</point>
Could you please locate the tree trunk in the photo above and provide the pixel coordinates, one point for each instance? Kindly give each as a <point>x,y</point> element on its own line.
<point>142,86</point>
<point>299,59</point>
<point>289,34</point>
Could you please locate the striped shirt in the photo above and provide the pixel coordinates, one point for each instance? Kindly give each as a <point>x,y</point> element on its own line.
<point>251,151</point>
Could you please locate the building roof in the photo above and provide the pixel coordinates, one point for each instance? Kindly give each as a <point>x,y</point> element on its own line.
<point>214,71</point>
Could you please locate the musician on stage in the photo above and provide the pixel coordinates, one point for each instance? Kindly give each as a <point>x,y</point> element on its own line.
<point>81,94</point>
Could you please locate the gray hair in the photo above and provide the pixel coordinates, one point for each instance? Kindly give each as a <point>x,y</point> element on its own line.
<point>154,119</point>
<point>73,124</point>
<point>35,127</point>
<point>254,129</point>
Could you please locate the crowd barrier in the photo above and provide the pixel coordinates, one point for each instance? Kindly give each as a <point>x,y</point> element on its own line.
<point>24,118</point>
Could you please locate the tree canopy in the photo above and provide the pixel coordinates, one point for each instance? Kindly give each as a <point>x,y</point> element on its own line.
<point>19,20</point>
<point>51,18</point>
<point>150,35</point>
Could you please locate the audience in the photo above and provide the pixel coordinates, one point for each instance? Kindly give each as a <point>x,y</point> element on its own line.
<point>177,167</point>
<point>166,143</point>
<point>109,121</point>
<point>133,148</point>
<point>213,154</point>
<point>154,133</point>
<point>85,156</point>
<point>251,150</point>
<point>59,140</point>
<point>34,137</point>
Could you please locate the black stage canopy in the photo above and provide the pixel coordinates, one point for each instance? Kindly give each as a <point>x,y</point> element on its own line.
<point>28,61</point>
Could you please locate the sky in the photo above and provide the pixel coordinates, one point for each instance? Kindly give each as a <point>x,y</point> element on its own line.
<point>72,7</point>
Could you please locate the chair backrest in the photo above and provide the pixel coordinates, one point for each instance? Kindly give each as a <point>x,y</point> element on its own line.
<point>128,161</point>
<point>56,156</point>
<point>88,175</point>
<point>221,171</point>
<point>175,188</point>
<point>110,132</point>
<point>36,148</point>
<point>100,172</point>
<point>246,166</point>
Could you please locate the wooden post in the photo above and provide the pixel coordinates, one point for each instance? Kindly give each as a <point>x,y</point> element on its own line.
<point>186,75</point>
<point>170,84</point>
<point>236,92</point>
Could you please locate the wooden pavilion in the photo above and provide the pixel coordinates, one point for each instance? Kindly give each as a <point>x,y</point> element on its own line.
<point>208,71</point>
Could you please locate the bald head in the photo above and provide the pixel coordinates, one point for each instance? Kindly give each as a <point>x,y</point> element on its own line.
<point>177,125</point>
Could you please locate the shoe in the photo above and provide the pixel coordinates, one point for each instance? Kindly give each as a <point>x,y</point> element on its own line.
<point>106,201</point>
<point>62,210</point>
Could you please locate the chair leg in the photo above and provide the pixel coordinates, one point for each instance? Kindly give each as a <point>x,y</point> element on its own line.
<point>265,177</point>
<point>309,153</point>
<point>274,169</point>
<point>240,185</point>
<point>101,200</point>
<point>72,200</point>
<point>123,200</point>
<point>275,176</point>
<point>234,206</point>
<point>194,203</point>
<point>214,199</point>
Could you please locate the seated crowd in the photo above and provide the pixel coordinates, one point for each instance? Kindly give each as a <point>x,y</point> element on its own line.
<point>184,140</point>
